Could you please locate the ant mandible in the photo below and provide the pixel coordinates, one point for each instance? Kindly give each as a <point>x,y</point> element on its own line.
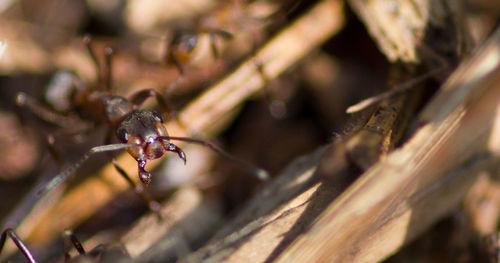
<point>140,131</point>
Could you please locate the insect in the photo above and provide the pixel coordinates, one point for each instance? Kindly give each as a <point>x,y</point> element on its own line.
<point>9,232</point>
<point>235,21</point>
<point>141,132</point>
<point>184,44</point>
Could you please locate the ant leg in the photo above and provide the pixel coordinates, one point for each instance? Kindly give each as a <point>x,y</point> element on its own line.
<point>71,125</point>
<point>213,34</point>
<point>19,243</point>
<point>277,107</point>
<point>139,97</point>
<point>86,40</point>
<point>176,82</point>
<point>177,44</point>
<point>44,113</point>
<point>152,204</point>
<point>139,189</point>
<point>50,140</point>
<point>108,52</point>
<point>70,240</point>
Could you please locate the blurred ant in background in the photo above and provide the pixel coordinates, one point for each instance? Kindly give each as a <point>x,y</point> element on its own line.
<point>236,28</point>
<point>140,131</point>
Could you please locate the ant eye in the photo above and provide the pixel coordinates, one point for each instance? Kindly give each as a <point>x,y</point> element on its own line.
<point>191,43</point>
<point>157,117</point>
<point>122,135</point>
<point>188,43</point>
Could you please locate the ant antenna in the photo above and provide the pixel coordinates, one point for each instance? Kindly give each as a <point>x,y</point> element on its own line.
<point>22,247</point>
<point>261,174</point>
<point>62,176</point>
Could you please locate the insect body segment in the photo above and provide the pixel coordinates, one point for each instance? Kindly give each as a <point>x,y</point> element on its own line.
<point>145,128</point>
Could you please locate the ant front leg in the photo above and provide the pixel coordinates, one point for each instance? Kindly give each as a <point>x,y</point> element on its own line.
<point>152,204</point>
<point>144,175</point>
<point>19,243</point>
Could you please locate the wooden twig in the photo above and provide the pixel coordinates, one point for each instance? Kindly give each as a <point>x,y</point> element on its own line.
<point>420,183</point>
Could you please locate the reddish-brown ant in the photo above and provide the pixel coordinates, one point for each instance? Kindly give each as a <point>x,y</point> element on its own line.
<point>19,243</point>
<point>183,43</point>
<point>242,22</point>
<point>140,131</point>
<point>230,21</point>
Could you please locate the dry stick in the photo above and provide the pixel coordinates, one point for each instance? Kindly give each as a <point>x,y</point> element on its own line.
<point>415,186</point>
<point>281,52</point>
<point>394,91</point>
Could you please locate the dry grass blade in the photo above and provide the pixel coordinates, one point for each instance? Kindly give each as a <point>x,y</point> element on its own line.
<point>216,103</point>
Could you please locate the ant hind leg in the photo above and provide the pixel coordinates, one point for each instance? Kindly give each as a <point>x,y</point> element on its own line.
<point>19,243</point>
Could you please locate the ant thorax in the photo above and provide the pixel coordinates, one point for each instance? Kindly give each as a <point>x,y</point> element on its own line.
<point>116,108</point>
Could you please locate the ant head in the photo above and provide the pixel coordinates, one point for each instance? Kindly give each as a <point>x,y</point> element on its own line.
<point>182,45</point>
<point>144,128</point>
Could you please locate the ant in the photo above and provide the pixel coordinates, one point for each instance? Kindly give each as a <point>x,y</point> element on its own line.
<point>141,132</point>
<point>239,22</point>
<point>229,22</point>
<point>183,45</point>
<point>19,243</point>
